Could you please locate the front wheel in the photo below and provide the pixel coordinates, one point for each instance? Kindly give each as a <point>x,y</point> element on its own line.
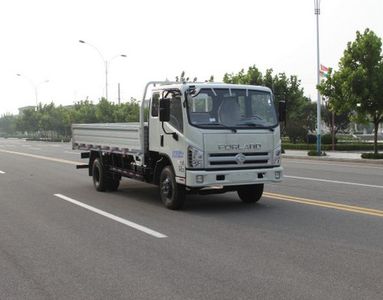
<point>172,194</point>
<point>250,193</point>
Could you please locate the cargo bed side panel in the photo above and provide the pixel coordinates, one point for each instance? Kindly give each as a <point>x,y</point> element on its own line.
<point>117,136</point>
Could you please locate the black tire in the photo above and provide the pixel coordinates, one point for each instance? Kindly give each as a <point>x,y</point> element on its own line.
<point>102,179</point>
<point>172,194</point>
<point>250,193</point>
<point>113,183</point>
<point>99,178</point>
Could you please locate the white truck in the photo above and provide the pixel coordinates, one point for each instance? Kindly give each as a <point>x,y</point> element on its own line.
<point>191,138</point>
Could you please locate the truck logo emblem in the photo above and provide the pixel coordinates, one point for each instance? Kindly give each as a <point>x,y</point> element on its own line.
<point>240,158</point>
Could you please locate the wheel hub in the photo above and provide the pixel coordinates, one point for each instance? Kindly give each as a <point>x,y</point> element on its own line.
<point>166,187</point>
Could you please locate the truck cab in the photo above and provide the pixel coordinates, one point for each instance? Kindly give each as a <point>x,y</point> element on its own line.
<point>218,137</point>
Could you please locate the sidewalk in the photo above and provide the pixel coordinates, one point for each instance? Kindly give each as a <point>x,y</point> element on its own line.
<point>344,156</point>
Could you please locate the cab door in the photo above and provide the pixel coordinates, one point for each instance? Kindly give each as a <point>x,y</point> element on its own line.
<point>172,140</point>
<point>154,123</point>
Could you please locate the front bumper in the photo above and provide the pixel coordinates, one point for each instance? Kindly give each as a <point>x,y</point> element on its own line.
<point>204,178</point>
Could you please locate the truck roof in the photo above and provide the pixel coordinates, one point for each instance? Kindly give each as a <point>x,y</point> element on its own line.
<point>184,86</point>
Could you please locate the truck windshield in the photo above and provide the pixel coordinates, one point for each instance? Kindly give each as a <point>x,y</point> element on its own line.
<point>232,108</point>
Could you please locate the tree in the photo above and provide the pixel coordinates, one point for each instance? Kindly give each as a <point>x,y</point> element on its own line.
<point>338,98</point>
<point>8,124</point>
<point>253,77</point>
<point>85,112</point>
<point>358,85</point>
<point>341,120</point>
<point>127,112</point>
<point>29,121</point>
<point>182,78</point>
<point>105,111</point>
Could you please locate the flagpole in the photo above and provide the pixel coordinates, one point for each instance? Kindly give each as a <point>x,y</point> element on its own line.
<point>317,13</point>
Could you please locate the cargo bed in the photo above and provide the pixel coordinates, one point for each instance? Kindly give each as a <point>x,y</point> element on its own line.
<point>119,137</point>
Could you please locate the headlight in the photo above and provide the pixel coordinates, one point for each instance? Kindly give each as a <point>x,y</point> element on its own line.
<point>277,156</point>
<point>195,157</point>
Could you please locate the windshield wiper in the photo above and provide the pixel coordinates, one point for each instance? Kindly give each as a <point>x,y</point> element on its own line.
<point>234,130</point>
<point>255,125</point>
<point>253,117</point>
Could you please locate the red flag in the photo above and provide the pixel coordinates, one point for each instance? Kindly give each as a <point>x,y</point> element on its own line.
<point>323,69</point>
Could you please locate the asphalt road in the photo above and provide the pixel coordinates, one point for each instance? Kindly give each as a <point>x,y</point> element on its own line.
<point>317,235</point>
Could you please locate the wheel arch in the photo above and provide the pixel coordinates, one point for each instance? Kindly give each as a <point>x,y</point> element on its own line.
<point>163,161</point>
<point>93,155</point>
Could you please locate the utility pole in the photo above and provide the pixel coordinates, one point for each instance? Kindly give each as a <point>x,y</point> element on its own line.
<point>119,94</point>
<point>317,13</point>
<point>333,129</point>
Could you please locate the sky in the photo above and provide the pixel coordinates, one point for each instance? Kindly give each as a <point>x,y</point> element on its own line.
<point>40,41</point>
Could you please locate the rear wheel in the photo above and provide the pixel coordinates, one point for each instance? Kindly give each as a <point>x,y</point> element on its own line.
<point>172,194</point>
<point>250,193</point>
<point>102,179</point>
<point>113,183</point>
<point>98,173</point>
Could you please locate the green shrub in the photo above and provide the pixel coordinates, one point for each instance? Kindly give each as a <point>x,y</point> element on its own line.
<point>372,155</point>
<point>327,139</point>
<point>315,153</point>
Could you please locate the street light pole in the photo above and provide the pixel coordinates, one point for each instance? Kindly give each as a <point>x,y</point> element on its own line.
<point>35,86</point>
<point>317,13</point>
<point>106,80</point>
<point>106,63</point>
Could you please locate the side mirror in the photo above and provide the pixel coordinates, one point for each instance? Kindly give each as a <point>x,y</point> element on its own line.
<point>165,110</point>
<point>282,111</point>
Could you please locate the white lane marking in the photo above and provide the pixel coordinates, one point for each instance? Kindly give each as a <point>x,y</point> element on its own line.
<point>113,217</point>
<point>335,181</point>
<point>42,157</point>
<point>1,172</point>
<point>34,148</point>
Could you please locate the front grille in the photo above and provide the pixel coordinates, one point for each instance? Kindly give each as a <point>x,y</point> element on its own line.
<point>238,159</point>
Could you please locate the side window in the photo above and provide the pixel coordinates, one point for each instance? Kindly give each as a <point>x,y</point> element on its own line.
<point>176,119</point>
<point>155,104</point>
